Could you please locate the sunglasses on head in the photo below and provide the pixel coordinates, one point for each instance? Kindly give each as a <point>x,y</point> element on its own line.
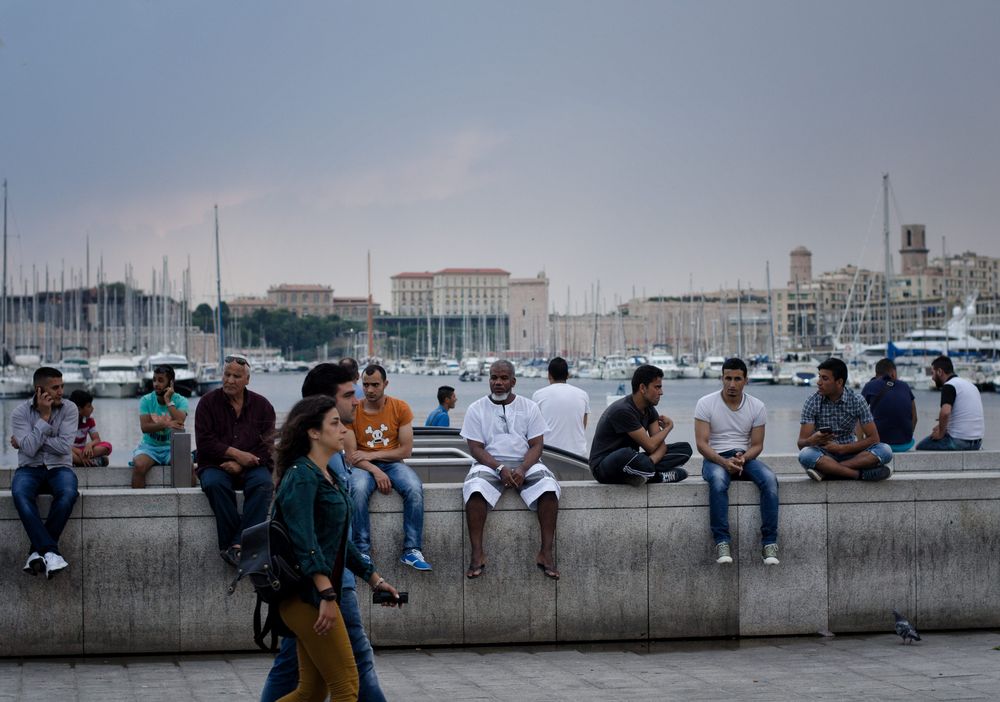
<point>236,358</point>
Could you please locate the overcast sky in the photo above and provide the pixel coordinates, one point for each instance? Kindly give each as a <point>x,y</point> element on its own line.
<point>648,145</point>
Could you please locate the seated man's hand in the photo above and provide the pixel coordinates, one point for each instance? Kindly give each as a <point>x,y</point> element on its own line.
<point>177,425</point>
<point>231,467</point>
<point>357,456</point>
<point>936,433</point>
<point>834,448</point>
<point>381,481</point>
<point>820,438</point>
<point>13,443</point>
<point>245,458</point>
<point>665,422</point>
<point>88,451</point>
<point>734,466</point>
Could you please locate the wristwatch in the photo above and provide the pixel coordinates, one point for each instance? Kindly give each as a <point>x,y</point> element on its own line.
<point>499,468</point>
<point>171,404</point>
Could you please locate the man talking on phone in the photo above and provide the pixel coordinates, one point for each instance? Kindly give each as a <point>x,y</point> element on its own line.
<point>828,447</point>
<point>42,432</point>
<point>161,413</point>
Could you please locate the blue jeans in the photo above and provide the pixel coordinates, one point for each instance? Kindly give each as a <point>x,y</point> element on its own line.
<point>949,443</point>
<point>610,470</point>
<point>718,479</point>
<point>27,484</point>
<point>220,489</point>
<point>811,454</point>
<point>408,485</point>
<point>284,675</point>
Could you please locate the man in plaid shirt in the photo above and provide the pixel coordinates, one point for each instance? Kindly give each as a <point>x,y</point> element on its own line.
<point>828,447</point>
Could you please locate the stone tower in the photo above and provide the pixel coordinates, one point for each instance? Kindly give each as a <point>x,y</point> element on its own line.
<point>801,265</point>
<point>914,248</point>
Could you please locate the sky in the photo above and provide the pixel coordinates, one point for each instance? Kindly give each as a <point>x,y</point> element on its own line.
<point>656,147</point>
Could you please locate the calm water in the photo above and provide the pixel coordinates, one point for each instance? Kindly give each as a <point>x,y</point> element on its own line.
<point>118,420</point>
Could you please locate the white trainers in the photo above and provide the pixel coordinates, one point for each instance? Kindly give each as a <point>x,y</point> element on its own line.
<point>723,554</point>
<point>771,554</point>
<point>54,563</point>
<point>34,565</point>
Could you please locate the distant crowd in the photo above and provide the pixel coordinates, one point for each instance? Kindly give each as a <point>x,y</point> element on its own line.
<point>348,438</point>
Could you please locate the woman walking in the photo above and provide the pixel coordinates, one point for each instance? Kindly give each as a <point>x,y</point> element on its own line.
<point>316,510</point>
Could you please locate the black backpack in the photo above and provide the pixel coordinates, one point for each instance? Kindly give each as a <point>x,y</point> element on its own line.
<point>268,560</point>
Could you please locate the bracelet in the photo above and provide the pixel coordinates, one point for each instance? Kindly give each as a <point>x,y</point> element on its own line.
<point>328,595</point>
<point>499,468</point>
<point>377,583</point>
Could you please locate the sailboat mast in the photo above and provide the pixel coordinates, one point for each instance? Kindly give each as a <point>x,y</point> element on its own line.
<point>888,259</point>
<point>219,331</point>
<point>371,321</point>
<point>3,314</point>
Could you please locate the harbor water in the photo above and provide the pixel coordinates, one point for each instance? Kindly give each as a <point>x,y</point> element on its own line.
<point>118,420</point>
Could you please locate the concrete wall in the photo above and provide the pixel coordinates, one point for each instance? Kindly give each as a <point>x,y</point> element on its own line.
<point>145,575</point>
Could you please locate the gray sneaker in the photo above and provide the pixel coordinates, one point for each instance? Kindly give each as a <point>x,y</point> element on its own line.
<point>635,477</point>
<point>771,554</point>
<point>814,474</point>
<point>723,554</point>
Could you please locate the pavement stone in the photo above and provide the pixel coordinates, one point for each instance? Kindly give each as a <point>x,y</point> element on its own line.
<point>945,666</point>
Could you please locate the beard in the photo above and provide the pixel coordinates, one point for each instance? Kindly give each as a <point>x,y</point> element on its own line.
<point>499,396</point>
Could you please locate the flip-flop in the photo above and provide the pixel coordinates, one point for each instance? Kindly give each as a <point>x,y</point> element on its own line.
<point>475,571</point>
<point>549,571</point>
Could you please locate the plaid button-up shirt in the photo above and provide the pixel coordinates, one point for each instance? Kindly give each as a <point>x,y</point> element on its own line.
<point>841,416</point>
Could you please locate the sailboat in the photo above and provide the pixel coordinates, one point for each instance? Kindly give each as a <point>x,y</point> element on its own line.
<point>14,384</point>
<point>210,376</point>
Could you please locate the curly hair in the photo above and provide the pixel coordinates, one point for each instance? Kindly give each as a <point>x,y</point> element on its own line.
<point>294,442</point>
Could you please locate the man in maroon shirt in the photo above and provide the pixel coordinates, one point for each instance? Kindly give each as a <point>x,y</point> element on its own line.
<point>234,431</point>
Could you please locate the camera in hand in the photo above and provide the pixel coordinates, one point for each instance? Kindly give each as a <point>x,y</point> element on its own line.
<point>385,597</point>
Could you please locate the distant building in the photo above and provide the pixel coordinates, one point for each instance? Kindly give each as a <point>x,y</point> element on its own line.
<point>303,300</point>
<point>451,292</point>
<point>240,307</point>
<point>354,308</point>
<point>529,316</point>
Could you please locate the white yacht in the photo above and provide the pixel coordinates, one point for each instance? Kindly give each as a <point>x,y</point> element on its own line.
<point>117,376</point>
<point>185,379</point>
<point>688,368</point>
<point>666,363</point>
<point>76,374</point>
<point>713,366</point>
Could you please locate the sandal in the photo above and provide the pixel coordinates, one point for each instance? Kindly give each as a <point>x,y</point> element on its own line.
<point>475,571</point>
<point>549,571</point>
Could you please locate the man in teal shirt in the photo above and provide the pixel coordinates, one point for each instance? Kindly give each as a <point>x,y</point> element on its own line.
<point>161,412</point>
<point>446,401</point>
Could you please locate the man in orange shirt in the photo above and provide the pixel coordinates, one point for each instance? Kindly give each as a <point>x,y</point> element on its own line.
<point>383,438</point>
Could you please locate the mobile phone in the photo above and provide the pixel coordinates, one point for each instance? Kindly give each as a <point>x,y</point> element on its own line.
<point>385,597</point>
<point>825,430</point>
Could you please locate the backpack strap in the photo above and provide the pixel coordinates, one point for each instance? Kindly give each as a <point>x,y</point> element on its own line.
<point>262,628</point>
<point>881,393</point>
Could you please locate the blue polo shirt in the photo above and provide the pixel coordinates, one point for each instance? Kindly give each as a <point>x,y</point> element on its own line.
<point>438,418</point>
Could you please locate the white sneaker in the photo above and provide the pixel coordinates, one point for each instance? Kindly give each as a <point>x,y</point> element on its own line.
<point>723,553</point>
<point>771,554</point>
<point>34,565</point>
<point>54,563</point>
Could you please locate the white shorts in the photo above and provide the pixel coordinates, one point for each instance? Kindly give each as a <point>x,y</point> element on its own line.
<point>538,481</point>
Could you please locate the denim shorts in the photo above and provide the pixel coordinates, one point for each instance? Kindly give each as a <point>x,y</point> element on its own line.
<point>811,454</point>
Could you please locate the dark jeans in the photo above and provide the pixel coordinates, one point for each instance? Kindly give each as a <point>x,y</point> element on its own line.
<point>31,481</point>
<point>220,488</point>
<point>284,675</point>
<point>609,470</point>
<point>949,443</point>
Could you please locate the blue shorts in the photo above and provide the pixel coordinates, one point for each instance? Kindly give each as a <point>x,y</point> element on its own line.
<point>159,454</point>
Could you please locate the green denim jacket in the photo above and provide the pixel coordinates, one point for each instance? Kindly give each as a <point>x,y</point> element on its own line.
<point>317,514</point>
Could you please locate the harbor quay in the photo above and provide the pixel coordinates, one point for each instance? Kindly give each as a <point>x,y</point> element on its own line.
<point>637,565</point>
<point>954,665</point>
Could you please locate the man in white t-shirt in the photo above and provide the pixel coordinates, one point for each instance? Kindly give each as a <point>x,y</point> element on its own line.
<point>961,424</point>
<point>505,436</point>
<point>729,431</point>
<point>564,408</point>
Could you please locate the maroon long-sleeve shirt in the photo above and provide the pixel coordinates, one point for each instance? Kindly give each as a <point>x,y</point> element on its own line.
<point>217,428</point>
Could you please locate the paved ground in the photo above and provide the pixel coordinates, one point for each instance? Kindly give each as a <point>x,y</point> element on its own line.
<point>952,666</point>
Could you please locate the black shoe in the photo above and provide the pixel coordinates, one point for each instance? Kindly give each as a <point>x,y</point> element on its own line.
<point>231,556</point>
<point>674,475</point>
<point>877,473</point>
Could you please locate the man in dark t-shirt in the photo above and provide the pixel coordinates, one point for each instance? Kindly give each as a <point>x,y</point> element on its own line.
<point>631,424</point>
<point>893,406</point>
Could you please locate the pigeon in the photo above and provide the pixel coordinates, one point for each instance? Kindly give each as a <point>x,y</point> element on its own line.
<point>904,629</point>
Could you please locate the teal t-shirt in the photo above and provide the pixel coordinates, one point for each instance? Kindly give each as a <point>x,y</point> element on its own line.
<point>148,404</point>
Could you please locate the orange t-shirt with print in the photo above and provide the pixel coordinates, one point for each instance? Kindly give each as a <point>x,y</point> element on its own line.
<point>380,431</point>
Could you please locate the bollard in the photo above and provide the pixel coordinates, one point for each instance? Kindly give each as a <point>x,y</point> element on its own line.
<point>180,459</point>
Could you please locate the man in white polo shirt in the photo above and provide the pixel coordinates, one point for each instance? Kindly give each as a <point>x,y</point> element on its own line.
<point>565,409</point>
<point>729,431</point>
<point>960,425</point>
